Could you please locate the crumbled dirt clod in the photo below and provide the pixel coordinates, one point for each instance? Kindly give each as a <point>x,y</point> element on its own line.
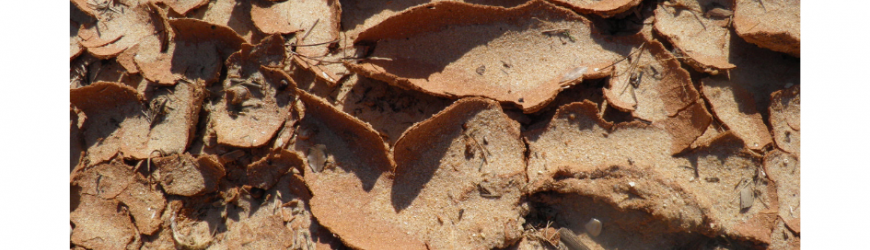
<point>734,106</point>
<point>785,118</point>
<point>702,41</point>
<point>441,57</point>
<point>775,25</point>
<point>785,170</point>
<point>102,224</point>
<point>184,175</point>
<point>606,8</point>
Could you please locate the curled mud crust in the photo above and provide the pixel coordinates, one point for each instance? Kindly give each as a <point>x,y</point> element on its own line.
<point>434,124</point>
<point>605,8</point>
<point>484,56</point>
<point>785,118</point>
<point>700,35</point>
<point>774,25</point>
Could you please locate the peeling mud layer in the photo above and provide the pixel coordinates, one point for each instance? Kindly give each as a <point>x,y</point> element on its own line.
<point>434,124</point>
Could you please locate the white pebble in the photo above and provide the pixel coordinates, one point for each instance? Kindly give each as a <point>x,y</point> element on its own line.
<point>631,183</point>
<point>593,227</point>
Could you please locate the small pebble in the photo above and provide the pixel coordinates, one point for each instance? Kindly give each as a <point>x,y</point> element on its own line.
<point>593,227</point>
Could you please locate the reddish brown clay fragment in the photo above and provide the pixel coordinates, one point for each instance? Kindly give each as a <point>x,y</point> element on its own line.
<point>785,170</point>
<point>197,53</point>
<point>785,118</point>
<point>115,121</point>
<point>771,24</point>
<point>522,55</point>
<point>700,37</point>
<point>734,106</point>
<point>603,8</point>
<point>102,224</point>
<point>184,175</point>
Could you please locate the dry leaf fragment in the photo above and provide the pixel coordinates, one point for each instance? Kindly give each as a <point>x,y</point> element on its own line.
<point>785,170</point>
<point>523,49</point>
<point>785,118</point>
<point>702,41</point>
<point>775,25</point>
<point>605,8</point>
<point>184,175</point>
<point>100,224</point>
<point>197,53</point>
<point>735,107</point>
